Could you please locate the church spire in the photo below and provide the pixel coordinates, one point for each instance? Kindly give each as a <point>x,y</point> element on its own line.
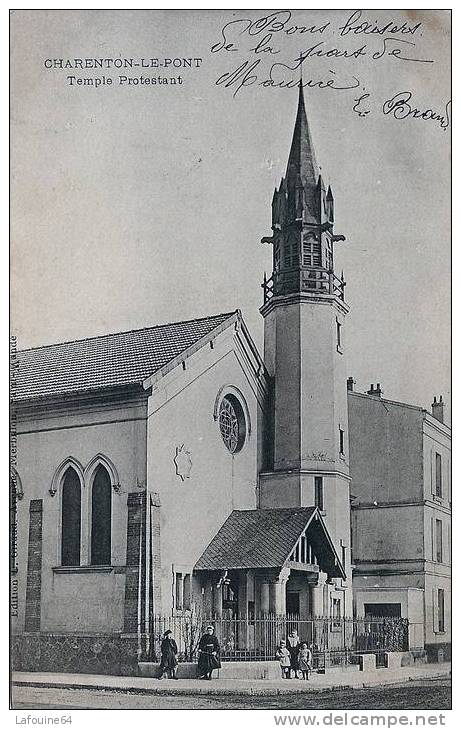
<point>302,223</point>
<point>302,159</point>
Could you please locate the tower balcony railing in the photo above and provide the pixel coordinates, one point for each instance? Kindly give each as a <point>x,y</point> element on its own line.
<point>309,279</point>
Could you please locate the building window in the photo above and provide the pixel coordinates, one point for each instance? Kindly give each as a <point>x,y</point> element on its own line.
<point>182,591</point>
<point>101,508</point>
<point>71,519</point>
<point>338,334</point>
<point>318,492</point>
<point>186,601</point>
<point>438,540</point>
<point>232,423</point>
<point>341,441</point>
<point>178,598</point>
<point>441,610</point>
<point>382,610</point>
<point>335,613</point>
<point>438,475</point>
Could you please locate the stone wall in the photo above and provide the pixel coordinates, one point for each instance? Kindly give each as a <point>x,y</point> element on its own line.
<point>115,655</point>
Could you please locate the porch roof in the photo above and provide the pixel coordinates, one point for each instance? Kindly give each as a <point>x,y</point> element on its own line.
<point>265,538</point>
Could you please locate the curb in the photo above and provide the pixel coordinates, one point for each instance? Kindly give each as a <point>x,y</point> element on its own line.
<point>224,691</point>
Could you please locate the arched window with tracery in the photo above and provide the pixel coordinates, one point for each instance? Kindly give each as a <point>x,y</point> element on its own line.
<point>101,508</point>
<point>71,519</point>
<point>232,423</point>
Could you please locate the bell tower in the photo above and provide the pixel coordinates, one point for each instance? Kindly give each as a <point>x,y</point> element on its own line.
<point>304,311</point>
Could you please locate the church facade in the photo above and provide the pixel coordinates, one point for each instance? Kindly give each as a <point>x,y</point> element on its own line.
<point>174,469</point>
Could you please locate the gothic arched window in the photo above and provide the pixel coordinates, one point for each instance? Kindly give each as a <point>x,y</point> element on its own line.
<point>71,519</point>
<point>101,508</point>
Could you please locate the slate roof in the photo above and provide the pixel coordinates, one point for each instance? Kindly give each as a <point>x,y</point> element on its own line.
<point>111,360</point>
<point>255,538</point>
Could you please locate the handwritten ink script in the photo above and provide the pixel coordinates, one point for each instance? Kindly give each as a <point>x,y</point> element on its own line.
<point>266,53</point>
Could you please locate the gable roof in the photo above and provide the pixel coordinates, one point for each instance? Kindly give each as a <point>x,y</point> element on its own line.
<point>265,538</point>
<point>110,360</point>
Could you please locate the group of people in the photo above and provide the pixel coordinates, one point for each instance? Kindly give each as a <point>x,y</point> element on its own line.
<point>294,657</point>
<point>208,655</point>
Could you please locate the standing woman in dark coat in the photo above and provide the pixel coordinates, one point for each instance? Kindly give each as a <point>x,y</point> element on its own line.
<point>208,653</point>
<point>293,647</point>
<point>168,661</point>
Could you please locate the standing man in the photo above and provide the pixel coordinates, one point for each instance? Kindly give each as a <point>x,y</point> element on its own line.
<point>168,650</point>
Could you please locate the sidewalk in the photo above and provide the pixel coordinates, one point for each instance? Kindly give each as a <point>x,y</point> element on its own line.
<point>318,682</point>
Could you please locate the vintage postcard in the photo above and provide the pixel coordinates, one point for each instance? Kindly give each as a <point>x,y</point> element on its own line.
<point>230,480</point>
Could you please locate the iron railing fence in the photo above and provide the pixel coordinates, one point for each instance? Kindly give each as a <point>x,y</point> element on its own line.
<point>333,641</point>
<point>312,279</point>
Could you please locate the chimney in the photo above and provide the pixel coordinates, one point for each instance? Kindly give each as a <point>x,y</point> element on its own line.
<point>437,409</point>
<point>376,391</point>
<point>350,384</point>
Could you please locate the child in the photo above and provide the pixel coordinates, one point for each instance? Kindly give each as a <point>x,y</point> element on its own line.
<point>305,661</point>
<point>283,654</point>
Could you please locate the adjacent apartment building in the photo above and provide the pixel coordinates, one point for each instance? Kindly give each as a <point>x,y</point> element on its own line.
<point>401,515</point>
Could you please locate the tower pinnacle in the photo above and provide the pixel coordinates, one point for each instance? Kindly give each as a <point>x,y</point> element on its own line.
<point>302,159</point>
<point>302,223</point>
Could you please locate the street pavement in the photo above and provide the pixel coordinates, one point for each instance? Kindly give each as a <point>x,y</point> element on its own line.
<point>433,694</point>
<point>333,679</point>
<point>337,688</point>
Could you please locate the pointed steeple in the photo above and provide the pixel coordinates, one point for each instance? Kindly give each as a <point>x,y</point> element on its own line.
<point>302,160</point>
<point>302,222</point>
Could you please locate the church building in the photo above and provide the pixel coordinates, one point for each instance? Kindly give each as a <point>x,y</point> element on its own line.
<point>174,469</point>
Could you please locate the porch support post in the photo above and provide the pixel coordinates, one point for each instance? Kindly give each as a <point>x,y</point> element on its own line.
<point>316,597</point>
<point>208,597</point>
<point>243,594</point>
<point>277,597</point>
<point>217,600</point>
<point>265,597</point>
<point>243,608</point>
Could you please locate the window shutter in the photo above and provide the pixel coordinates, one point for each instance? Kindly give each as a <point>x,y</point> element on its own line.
<point>449,480</point>
<point>432,472</point>
<point>448,551</point>
<point>441,608</point>
<point>433,538</point>
<point>435,606</point>
<point>442,549</point>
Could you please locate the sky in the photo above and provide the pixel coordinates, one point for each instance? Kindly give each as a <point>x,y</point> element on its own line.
<point>134,205</point>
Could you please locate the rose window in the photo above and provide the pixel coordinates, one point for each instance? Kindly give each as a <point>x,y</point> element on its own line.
<point>232,423</point>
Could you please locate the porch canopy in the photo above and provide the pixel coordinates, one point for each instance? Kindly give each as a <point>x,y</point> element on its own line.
<point>295,538</point>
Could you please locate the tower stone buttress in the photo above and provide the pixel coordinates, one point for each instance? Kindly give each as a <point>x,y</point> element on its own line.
<point>304,315</point>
